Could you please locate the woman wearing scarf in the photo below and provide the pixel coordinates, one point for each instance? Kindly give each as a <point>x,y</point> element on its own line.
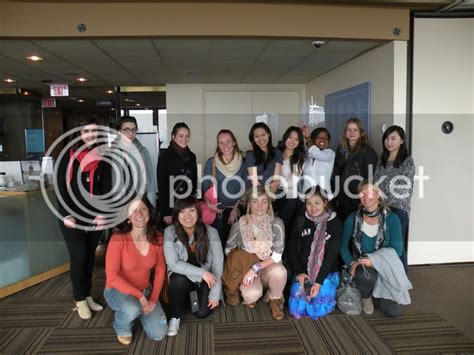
<point>354,156</point>
<point>136,159</point>
<point>82,173</point>
<point>177,164</point>
<point>313,255</point>
<point>230,179</point>
<point>262,234</point>
<point>371,228</point>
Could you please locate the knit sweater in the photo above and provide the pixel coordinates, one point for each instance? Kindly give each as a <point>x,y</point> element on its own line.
<point>402,191</point>
<point>128,271</point>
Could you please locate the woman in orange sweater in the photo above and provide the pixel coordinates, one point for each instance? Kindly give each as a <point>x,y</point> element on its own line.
<point>134,251</point>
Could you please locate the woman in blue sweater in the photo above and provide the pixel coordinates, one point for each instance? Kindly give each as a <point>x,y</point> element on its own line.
<point>372,227</point>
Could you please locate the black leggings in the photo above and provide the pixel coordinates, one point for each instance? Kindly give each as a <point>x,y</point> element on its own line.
<point>365,281</point>
<point>81,246</point>
<point>178,295</point>
<point>222,225</point>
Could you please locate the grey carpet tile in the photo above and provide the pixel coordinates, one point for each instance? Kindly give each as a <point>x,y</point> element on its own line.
<point>275,337</point>
<point>421,332</point>
<point>36,312</point>
<point>241,313</point>
<point>102,319</point>
<point>339,334</point>
<point>23,341</point>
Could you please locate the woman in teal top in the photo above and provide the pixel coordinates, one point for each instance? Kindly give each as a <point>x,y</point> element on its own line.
<point>372,227</point>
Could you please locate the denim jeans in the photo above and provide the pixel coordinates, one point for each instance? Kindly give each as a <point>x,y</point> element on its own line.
<point>404,218</point>
<point>127,308</point>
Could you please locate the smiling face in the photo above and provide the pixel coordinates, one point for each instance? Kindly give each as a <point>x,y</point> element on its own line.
<point>352,133</point>
<point>181,137</point>
<point>89,134</point>
<point>261,138</point>
<point>188,217</point>
<point>138,214</point>
<point>322,140</point>
<point>315,205</point>
<point>369,198</point>
<point>259,205</point>
<point>128,132</point>
<point>225,144</point>
<point>393,142</point>
<point>292,141</point>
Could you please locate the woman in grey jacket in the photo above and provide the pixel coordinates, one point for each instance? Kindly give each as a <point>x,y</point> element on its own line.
<point>194,257</point>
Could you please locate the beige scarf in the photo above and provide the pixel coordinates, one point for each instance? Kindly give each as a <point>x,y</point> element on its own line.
<point>231,168</point>
<point>257,239</point>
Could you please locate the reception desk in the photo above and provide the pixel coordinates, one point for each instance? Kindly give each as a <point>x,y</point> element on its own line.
<point>32,248</point>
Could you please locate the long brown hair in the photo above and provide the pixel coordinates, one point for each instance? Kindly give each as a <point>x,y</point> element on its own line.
<point>151,230</point>
<point>200,230</point>
<point>236,145</point>
<point>363,139</point>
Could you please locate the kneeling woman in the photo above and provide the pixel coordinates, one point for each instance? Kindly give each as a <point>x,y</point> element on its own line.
<point>259,232</point>
<point>372,245</point>
<point>193,253</point>
<point>313,252</point>
<point>136,249</point>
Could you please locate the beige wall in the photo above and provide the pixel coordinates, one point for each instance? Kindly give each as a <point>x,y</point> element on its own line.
<point>185,102</point>
<point>385,68</point>
<point>442,227</point>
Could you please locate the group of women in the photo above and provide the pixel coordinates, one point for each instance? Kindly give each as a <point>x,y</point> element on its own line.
<point>256,246</point>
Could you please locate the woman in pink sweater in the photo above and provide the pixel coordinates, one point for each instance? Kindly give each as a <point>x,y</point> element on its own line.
<point>134,251</point>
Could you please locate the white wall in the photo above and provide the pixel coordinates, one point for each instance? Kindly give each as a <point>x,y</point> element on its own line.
<point>186,102</point>
<point>442,227</point>
<point>385,68</point>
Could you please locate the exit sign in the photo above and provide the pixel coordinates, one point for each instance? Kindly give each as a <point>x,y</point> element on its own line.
<point>48,103</point>
<point>59,90</point>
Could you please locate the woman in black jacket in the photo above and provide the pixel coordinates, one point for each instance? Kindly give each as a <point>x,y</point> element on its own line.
<point>313,251</point>
<point>177,164</point>
<point>82,175</point>
<point>354,158</point>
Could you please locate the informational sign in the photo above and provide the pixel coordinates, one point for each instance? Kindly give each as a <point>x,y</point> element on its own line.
<point>59,90</point>
<point>34,139</point>
<point>341,105</point>
<point>48,103</point>
<point>103,103</point>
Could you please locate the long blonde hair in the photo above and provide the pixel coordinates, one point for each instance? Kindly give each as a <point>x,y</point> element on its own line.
<point>363,140</point>
<point>257,191</point>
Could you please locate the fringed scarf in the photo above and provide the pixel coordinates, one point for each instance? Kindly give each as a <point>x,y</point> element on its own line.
<point>381,213</point>
<point>316,256</point>
<point>88,162</point>
<point>257,239</point>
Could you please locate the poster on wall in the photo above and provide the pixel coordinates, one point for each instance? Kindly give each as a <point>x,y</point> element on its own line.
<point>34,141</point>
<point>341,105</point>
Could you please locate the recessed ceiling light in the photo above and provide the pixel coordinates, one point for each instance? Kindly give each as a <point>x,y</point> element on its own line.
<point>82,79</point>
<point>34,58</point>
<point>112,109</point>
<point>9,80</point>
<point>137,104</point>
<point>26,93</point>
<point>80,100</point>
<point>109,92</point>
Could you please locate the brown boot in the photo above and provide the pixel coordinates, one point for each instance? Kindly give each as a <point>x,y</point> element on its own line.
<point>276,306</point>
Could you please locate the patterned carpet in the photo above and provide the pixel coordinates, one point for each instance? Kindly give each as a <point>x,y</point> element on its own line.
<point>39,320</point>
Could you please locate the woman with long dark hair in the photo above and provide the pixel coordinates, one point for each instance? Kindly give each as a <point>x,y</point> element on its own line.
<point>82,175</point>
<point>228,168</point>
<point>395,172</point>
<point>354,158</point>
<point>294,154</point>
<point>195,260</point>
<point>263,160</point>
<point>177,164</point>
<point>135,251</point>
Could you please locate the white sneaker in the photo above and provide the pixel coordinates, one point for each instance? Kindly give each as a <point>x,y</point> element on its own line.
<point>173,327</point>
<point>93,305</point>
<point>83,310</point>
<point>368,305</point>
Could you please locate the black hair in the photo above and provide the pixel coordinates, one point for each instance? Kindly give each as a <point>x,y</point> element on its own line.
<point>402,151</point>
<point>151,228</point>
<point>260,156</point>
<point>200,230</point>
<point>177,126</point>
<point>125,119</point>
<point>317,131</point>
<point>84,121</point>
<point>299,154</point>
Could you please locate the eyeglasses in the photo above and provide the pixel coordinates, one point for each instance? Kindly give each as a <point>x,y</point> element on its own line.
<point>129,130</point>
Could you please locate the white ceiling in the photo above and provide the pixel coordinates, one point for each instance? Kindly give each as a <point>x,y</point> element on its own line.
<point>124,62</point>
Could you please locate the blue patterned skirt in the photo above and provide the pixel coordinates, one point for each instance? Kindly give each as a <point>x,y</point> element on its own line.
<point>324,303</point>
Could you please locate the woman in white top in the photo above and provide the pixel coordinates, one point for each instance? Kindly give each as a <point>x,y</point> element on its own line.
<point>293,151</point>
<point>320,161</point>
